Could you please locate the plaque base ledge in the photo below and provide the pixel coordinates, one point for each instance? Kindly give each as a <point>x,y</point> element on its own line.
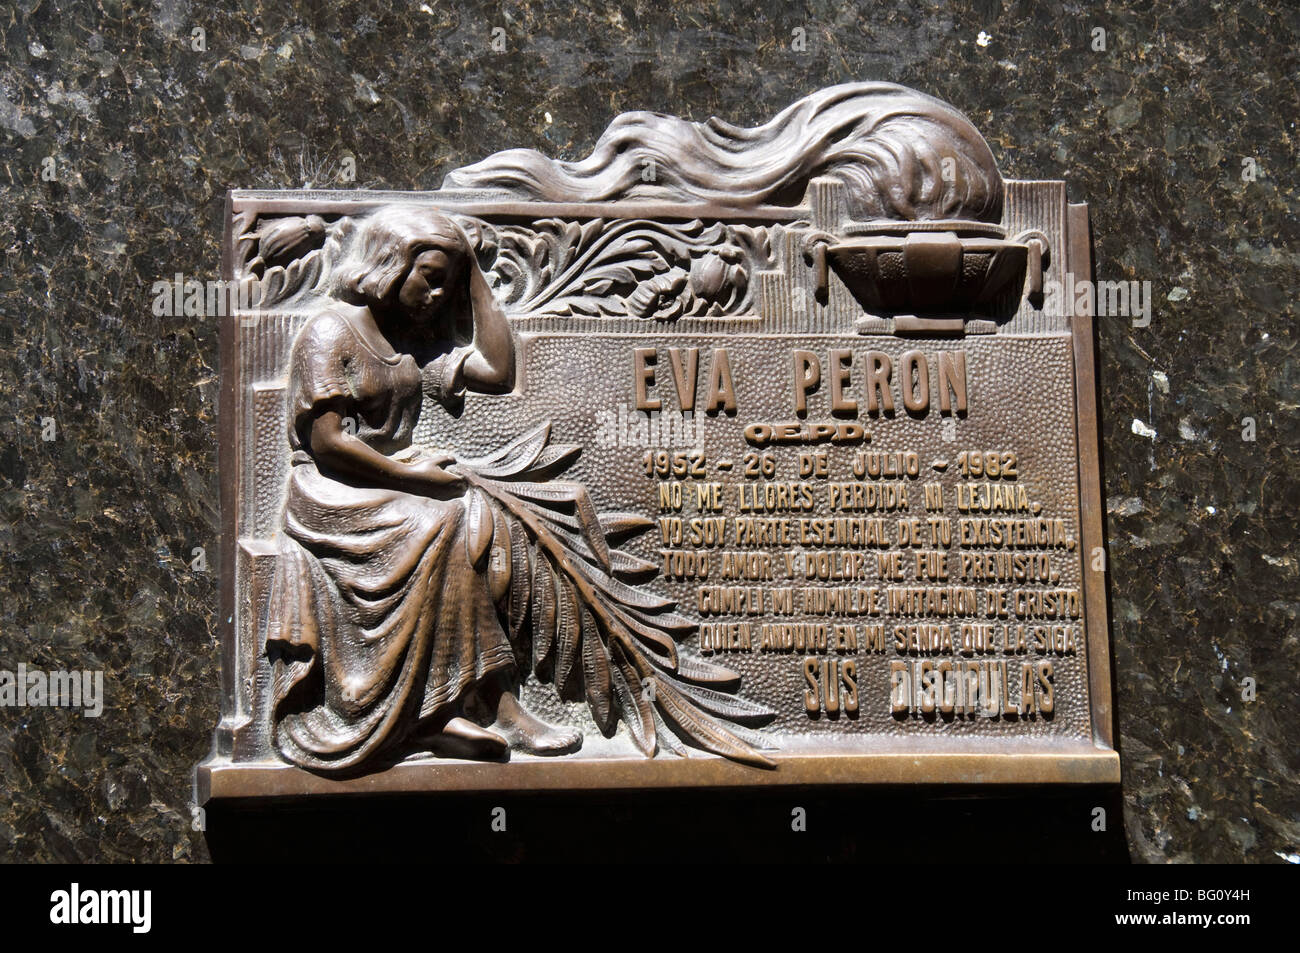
<point>1083,765</point>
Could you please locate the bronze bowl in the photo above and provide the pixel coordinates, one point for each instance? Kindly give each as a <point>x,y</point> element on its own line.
<point>940,267</point>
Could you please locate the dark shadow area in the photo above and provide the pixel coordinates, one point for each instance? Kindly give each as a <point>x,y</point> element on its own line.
<point>893,826</point>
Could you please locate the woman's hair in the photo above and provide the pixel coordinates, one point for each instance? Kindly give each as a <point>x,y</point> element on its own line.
<point>380,252</point>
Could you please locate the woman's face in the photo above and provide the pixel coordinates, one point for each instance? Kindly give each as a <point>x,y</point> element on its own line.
<point>429,283</point>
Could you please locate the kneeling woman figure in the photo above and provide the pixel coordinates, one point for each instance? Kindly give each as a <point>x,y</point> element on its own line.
<point>383,638</point>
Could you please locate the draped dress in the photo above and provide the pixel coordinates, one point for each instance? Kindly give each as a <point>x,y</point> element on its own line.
<point>376,621</point>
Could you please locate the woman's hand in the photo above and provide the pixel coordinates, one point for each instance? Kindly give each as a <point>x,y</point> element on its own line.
<point>410,470</point>
<point>431,472</point>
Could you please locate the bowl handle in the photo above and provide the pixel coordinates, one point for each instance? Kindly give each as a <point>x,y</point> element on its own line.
<point>814,253</point>
<point>1039,256</point>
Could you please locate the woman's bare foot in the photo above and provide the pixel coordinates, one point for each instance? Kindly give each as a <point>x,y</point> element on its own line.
<point>526,732</point>
<point>461,738</point>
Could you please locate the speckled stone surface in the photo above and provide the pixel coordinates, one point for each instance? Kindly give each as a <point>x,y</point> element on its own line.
<point>98,527</point>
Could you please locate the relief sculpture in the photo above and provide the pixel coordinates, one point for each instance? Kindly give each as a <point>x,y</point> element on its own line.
<point>722,456</point>
<point>405,575</point>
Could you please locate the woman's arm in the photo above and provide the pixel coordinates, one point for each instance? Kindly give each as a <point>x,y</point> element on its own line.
<point>343,454</point>
<point>490,366</point>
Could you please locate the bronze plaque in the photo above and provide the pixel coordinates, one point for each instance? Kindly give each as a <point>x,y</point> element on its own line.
<point>723,456</point>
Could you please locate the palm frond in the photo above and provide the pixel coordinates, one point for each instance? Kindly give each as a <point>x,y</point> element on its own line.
<point>595,634</point>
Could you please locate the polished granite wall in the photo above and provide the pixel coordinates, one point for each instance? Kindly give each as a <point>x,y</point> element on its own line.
<point>98,526</point>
